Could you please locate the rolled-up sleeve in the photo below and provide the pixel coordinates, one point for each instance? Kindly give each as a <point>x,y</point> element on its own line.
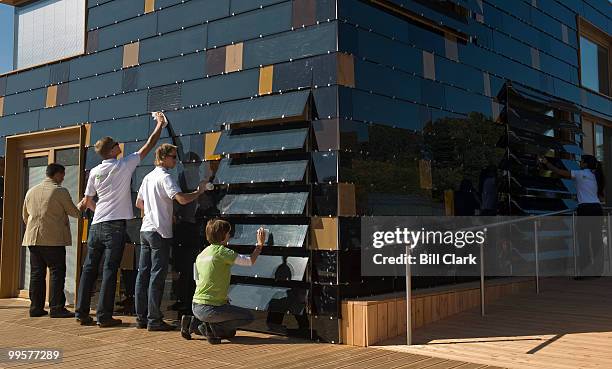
<point>170,186</point>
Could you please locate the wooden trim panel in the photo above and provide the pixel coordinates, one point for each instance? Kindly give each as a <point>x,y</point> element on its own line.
<point>16,148</point>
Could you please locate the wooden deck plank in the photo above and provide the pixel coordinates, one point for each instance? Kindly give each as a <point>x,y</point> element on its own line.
<point>568,325</point>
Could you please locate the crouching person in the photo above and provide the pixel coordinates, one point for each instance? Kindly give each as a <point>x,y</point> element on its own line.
<point>210,301</point>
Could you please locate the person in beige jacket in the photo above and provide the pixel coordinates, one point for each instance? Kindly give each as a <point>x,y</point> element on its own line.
<point>45,212</point>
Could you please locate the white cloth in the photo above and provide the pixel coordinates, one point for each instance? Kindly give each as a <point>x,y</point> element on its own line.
<point>243,260</point>
<point>111,180</point>
<point>157,191</point>
<point>586,186</point>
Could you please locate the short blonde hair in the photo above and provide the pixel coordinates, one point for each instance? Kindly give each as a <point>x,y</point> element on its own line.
<point>162,152</point>
<point>104,146</point>
<point>217,230</point>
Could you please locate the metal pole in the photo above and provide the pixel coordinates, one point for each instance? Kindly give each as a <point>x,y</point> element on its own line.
<point>537,263</point>
<point>574,243</point>
<point>609,236</point>
<point>482,279</point>
<point>408,298</point>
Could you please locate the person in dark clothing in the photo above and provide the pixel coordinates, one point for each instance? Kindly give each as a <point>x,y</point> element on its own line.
<point>590,184</point>
<point>488,191</point>
<point>466,201</point>
<point>190,221</point>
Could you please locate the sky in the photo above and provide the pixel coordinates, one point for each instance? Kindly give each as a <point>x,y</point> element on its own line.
<point>6,38</point>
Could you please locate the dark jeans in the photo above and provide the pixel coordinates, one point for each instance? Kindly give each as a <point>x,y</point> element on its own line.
<point>590,241</point>
<point>222,320</point>
<point>105,239</point>
<point>41,258</point>
<point>186,250</point>
<point>152,271</point>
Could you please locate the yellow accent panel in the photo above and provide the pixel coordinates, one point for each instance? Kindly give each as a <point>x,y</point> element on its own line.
<point>346,70</point>
<point>210,144</point>
<point>425,179</point>
<point>346,199</point>
<point>233,58</point>
<point>149,6</point>
<point>324,233</point>
<point>131,54</point>
<point>51,96</point>
<point>85,234</point>
<point>1,106</point>
<point>266,77</point>
<point>87,135</point>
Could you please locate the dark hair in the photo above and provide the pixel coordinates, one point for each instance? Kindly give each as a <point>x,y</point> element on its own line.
<point>594,165</point>
<point>53,169</point>
<point>217,230</point>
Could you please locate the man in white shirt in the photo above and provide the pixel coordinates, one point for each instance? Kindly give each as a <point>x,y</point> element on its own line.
<point>155,196</point>
<point>110,181</point>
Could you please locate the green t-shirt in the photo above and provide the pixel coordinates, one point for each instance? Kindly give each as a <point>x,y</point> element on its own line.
<point>213,267</point>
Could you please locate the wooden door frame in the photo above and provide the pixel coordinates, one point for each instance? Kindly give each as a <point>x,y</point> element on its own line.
<point>17,147</point>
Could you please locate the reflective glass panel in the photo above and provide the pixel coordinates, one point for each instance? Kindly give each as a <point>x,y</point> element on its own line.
<point>279,171</point>
<point>279,268</point>
<point>282,235</point>
<point>268,203</point>
<point>261,141</point>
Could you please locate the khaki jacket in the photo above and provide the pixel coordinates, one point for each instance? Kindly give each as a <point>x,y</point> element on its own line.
<point>45,211</point>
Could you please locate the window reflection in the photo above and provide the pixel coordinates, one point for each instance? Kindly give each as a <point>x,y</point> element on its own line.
<point>594,66</point>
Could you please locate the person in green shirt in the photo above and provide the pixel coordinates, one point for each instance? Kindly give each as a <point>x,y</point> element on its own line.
<point>210,302</point>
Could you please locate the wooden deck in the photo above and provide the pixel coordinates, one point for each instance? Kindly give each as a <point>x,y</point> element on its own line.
<point>569,325</point>
<point>128,347</point>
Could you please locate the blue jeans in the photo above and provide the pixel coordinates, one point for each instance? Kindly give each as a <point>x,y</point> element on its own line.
<point>152,271</point>
<point>105,239</point>
<point>222,320</point>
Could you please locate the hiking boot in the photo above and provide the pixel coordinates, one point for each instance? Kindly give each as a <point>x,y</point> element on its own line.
<point>86,320</point>
<point>112,322</point>
<point>61,313</point>
<point>36,314</point>
<point>162,327</point>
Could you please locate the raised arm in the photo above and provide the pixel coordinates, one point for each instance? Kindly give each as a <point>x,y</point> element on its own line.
<point>154,137</point>
<point>561,172</point>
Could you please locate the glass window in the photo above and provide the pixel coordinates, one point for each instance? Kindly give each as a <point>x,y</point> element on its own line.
<point>276,267</point>
<point>599,142</point>
<point>268,203</point>
<point>279,171</point>
<point>594,66</point>
<point>7,29</point>
<point>284,235</point>
<point>261,141</point>
<point>45,31</point>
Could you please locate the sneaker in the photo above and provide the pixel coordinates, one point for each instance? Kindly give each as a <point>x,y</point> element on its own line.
<point>141,325</point>
<point>112,322</point>
<point>213,340</point>
<point>162,327</point>
<point>186,326</point>
<point>86,320</point>
<point>61,313</point>
<point>36,314</point>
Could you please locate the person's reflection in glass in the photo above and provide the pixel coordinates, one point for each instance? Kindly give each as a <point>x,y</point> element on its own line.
<point>293,302</point>
<point>187,244</point>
